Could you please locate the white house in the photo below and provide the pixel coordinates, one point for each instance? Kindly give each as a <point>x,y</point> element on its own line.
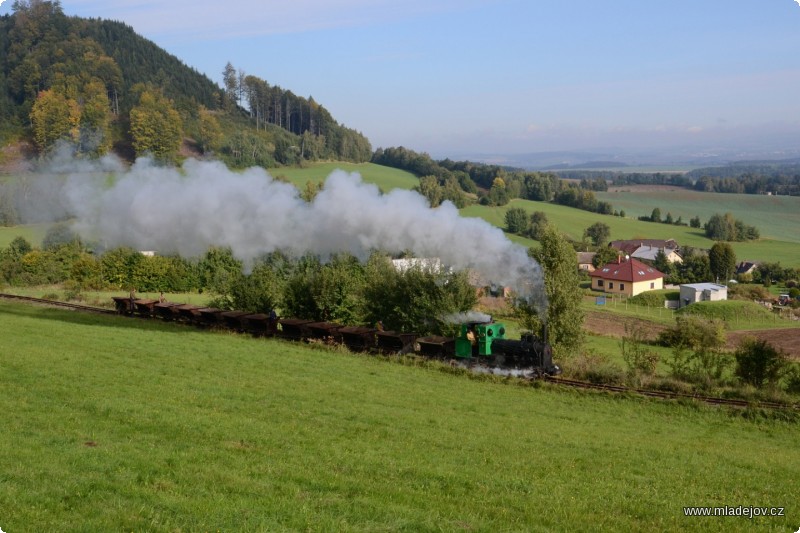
<point>702,292</point>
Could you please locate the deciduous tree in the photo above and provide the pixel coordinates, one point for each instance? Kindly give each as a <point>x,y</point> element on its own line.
<point>156,127</point>
<point>564,318</point>
<point>517,220</point>
<point>598,232</point>
<point>722,261</point>
<point>54,117</point>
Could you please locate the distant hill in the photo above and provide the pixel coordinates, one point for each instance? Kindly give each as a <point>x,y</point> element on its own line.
<point>77,79</point>
<point>587,165</point>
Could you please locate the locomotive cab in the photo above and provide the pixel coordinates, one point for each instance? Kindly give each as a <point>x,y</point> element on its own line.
<point>475,338</point>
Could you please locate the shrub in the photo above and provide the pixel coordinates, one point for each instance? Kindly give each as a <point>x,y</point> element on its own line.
<point>653,298</point>
<point>758,363</point>
<point>640,359</point>
<point>793,379</point>
<point>595,368</point>
<point>697,345</point>
<point>746,291</point>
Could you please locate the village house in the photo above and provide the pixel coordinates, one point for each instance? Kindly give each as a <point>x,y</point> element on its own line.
<point>702,292</point>
<point>626,276</point>
<point>585,261</point>
<point>746,267</point>
<point>647,249</point>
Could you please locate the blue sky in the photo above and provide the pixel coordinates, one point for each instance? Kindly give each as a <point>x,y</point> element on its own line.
<point>454,77</point>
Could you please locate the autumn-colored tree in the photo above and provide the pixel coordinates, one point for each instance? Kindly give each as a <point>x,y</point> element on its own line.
<point>155,126</point>
<point>95,121</point>
<point>54,117</point>
<point>209,132</point>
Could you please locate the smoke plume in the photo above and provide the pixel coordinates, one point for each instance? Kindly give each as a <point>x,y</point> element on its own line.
<point>204,203</point>
<point>471,316</point>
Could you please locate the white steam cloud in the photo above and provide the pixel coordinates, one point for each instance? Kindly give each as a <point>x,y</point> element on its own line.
<point>472,316</point>
<point>187,210</point>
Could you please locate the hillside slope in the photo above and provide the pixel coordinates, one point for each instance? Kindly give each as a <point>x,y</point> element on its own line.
<point>178,429</point>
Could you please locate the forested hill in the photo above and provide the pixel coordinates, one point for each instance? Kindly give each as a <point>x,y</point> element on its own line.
<point>100,86</point>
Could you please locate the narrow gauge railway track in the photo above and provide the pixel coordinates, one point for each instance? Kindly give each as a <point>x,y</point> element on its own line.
<point>666,395</point>
<point>56,303</point>
<point>550,379</point>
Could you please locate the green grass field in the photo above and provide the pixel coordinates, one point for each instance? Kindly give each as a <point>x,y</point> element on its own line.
<point>776,217</point>
<point>574,221</point>
<point>114,424</point>
<point>385,177</point>
<point>34,233</point>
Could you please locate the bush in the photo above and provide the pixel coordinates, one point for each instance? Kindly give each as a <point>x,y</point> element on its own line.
<point>758,363</point>
<point>697,345</point>
<point>640,359</point>
<point>595,368</point>
<point>793,379</point>
<point>654,298</point>
<point>746,291</point>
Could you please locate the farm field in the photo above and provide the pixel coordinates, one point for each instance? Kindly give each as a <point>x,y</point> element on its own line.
<point>776,217</point>
<point>385,177</point>
<point>175,429</point>
<point>573,222</point>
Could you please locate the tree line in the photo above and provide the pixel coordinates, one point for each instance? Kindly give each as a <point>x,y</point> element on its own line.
<point>490,184</point>
<point>781,178</point>
<point>341,289</point>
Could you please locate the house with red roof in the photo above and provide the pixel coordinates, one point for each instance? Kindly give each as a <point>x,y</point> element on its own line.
<point>626,276</point>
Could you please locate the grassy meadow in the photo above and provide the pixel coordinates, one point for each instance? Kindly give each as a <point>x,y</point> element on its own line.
<point>117,424</point>
<point>34,233</point>
<point>776,217</point>
<point>573,222</point>
<point>386,178</point>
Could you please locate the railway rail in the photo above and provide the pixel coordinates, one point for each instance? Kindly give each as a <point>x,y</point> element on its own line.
<point>56,303</point>
<point>665,395</point>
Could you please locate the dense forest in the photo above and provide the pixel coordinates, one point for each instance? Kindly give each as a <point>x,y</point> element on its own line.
<point>99,86</point>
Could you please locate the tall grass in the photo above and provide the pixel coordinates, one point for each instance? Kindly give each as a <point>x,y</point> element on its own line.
<point>115,424</point>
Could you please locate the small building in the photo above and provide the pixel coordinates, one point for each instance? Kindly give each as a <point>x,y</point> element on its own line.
<point>585,261</point>
<point>627,276</point>
<point>702,292</point>
<point>648,249</point>
<point>746,267</point>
